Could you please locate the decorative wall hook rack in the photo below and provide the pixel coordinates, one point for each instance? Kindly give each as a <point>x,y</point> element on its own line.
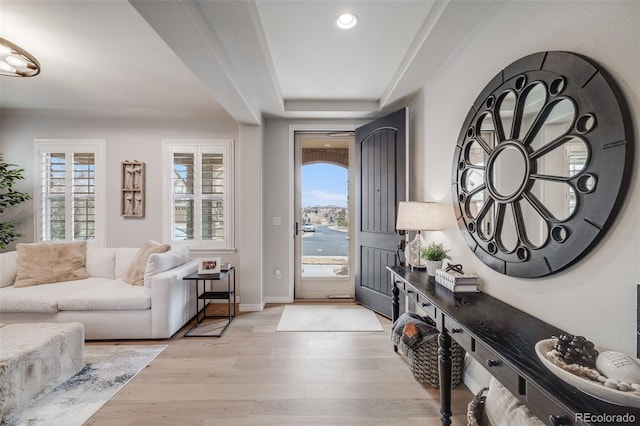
<point>132,198</point>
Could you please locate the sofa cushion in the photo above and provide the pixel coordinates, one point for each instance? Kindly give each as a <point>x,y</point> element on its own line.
<point>124,256</point>
<point>42,298</point>
<point>135,274</point>
<point>161,262</point>
<point>101,262</point>
<point>44,263</point>
<point>111,295</point>
<point>8,268</point>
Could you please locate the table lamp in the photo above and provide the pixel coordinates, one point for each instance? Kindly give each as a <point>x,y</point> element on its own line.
<point>417,216</point>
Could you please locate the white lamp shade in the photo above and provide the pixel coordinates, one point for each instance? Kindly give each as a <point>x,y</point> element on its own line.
<point>418,216</point>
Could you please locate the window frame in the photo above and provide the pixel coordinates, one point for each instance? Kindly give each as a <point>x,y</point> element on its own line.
<point>71,146</point>
<point>199,147</point>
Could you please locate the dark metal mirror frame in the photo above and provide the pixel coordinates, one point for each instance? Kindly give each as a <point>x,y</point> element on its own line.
<point>600,120</point>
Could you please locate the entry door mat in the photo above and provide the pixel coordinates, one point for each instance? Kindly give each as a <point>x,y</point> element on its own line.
<point>328,318</point>
<point>107,370</point>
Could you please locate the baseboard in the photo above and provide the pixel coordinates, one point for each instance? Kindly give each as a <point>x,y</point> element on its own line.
<point>251,307</point>
<point>475,376</point>
<point>278,299</point>
<point>471,384</point>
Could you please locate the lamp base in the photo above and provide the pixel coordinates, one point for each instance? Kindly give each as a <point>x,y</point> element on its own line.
<point>413,253</point>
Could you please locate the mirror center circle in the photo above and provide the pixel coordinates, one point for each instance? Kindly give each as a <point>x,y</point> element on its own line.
<point>508,171</point>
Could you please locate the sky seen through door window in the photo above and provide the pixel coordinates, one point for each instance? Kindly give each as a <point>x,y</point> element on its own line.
<point>324,184</point>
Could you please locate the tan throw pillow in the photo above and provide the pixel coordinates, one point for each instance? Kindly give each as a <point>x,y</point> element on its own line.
<point>44,263</point>
<point>135,274</point>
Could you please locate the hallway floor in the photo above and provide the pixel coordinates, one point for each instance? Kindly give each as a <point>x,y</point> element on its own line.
<point>254,375</point>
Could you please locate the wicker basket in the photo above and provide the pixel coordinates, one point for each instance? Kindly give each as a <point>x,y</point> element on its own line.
<point>423,356</point>
<point>475,407</point>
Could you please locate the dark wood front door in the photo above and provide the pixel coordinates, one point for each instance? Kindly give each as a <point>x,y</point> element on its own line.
<point>381,183</point>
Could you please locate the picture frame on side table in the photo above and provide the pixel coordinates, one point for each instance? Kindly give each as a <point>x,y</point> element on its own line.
<point>209,265</point>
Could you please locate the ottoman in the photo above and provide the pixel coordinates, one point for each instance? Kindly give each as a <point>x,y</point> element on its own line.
<point>35,358</point>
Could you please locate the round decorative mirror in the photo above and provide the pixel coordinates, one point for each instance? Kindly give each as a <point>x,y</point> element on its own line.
<point>541,164</point>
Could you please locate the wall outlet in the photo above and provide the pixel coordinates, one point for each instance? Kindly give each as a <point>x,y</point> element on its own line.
<point>276,221</point>
<point>277,273</point>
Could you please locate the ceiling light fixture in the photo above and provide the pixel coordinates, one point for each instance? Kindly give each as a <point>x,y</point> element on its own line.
<point>346,21</point>
<point>16,62</point>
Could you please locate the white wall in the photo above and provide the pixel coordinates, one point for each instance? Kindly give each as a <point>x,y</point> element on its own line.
<point>129,136</point>
<point>595,297</point>
<point>250,214</point>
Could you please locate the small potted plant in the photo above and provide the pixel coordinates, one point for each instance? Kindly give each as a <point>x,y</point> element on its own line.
<point>434,254</point>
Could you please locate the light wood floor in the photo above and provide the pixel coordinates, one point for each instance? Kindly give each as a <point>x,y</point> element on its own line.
<point>254,375</point>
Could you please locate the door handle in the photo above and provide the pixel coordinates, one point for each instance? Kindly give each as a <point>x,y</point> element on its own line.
<point>296,230</point>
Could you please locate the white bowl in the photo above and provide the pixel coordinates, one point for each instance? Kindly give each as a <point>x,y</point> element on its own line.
<point>595,389</point>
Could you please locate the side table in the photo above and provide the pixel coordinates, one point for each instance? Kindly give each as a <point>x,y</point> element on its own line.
<point>204,296</point>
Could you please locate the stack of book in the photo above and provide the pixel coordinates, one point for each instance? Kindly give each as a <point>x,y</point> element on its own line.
<point>457,282</point>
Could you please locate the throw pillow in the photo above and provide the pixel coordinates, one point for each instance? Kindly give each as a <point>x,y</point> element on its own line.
<point>101,262</point>
<point>135,274</point>
<point>43,263</point>
<point>8,268</point>
<point>124,259</point>
<point>501,408</point>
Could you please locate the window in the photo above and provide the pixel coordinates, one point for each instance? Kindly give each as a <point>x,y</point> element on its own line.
<point>577,156</point>
<point>198,192</point>
<point>70,190</point>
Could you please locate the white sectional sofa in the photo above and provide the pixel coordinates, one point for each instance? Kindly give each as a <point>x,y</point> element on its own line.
<point>107,306</point>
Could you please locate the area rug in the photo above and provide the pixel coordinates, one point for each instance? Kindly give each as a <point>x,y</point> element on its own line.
<point>328,318</point>
<point>107,370</point>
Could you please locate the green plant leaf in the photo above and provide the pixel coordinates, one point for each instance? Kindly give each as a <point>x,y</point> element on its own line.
<point>435,252</point>
<point>9,174</point>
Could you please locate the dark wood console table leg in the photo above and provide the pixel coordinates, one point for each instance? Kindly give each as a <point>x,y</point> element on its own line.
<point>395,305</point>
<point>444,372</point>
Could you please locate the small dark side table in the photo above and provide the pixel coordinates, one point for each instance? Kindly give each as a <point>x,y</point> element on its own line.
<point>204,296</point>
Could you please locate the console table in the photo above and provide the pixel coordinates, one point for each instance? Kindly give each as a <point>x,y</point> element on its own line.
<point>229,296</point>
<point>502,338</point>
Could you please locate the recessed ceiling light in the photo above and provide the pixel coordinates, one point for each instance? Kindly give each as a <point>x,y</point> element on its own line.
<point>346,21</point>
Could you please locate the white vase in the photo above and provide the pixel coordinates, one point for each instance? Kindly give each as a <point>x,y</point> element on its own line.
<point>432,265</point>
